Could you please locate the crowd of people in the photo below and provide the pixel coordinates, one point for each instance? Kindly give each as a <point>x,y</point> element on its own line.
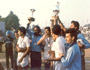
<point>63,48</point>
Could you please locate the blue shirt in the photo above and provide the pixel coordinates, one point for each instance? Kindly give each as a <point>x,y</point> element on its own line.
<point>34,47</point>
<point>29,32</point>
<point>81,36</point>
<point>72,60</point>
<point>87,44</point>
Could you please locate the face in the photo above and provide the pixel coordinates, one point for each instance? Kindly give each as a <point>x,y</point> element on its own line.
<point>20,33</point>
<point>68,38</point>
<point>47,32</point>
<point>35,31</point>
<point>72,25</point>
<point>16,35</point>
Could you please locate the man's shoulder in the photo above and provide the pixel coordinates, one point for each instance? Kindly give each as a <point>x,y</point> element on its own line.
<point>75,47</point>
<point>61,39</point>
<point>26,37</point>
<point>79,35</point>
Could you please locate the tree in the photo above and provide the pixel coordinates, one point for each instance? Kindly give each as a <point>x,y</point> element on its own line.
<point>2,19</point>
<point>11,21</point>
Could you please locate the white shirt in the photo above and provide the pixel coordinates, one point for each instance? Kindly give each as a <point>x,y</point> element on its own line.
<point>23,42</point>
<point>59,47</point>
<point>53,46</point>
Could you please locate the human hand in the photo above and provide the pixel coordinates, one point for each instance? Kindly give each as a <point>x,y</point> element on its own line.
<point>46,60</point>
<point>18,49</point>
<point>20,60</point>
<point>79,44</point>
<point>30,41</point>
<point>61,54</point>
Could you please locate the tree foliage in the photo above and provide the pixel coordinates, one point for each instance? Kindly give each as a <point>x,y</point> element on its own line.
<point>11,21</point>
<point>2,19</point>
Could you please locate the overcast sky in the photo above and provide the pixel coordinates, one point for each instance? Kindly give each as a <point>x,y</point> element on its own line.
<point>69,10</point>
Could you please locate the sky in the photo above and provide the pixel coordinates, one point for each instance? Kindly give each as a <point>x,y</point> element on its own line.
<point>78,10</point>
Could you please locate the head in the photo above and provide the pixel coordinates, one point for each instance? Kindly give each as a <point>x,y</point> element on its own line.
<point>56,31</point>
<point>8,33</point>
<point>36,30</point>
<point>21,31</point>
<point>16,34</point>
<point>75,25</point>
<point>71,35</point>
<point>47,31</point>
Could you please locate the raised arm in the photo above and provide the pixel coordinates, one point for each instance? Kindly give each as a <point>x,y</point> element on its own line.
<point>41,40</point>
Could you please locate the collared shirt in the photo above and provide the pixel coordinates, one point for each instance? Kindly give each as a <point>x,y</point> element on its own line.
<point>34,47</point>
<point>72,60</point>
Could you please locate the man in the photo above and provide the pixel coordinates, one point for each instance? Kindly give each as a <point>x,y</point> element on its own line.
<point>23,49</point>
<point>47,41</point>
<point>9,49</point>
<point>59,47</point>
<point>1,41</point>
<point>34,35</point>
<point>72,59</point>
<point>75,25</point>
<point>36,49</point>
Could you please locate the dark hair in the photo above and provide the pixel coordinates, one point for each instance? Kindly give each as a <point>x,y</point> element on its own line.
<point>72,32</point>
<point>48,28</point>
<point>62,33</point>
<point>22,29</point>
<point>76,24</point>
<point>56,29</point>
<point>39,30</point>
<point>16,31</point>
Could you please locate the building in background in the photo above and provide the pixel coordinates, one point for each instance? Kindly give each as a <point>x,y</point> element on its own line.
<point>2,26</point>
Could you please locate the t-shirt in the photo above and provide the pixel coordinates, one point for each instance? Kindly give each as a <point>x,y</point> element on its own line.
<point>59,47</point>
<point>23,42</point>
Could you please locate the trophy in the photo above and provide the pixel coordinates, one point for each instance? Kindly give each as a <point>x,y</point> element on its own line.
<point>31,18</point>
<point>32,10</point>
<point>55,18</point>
<point>56,9</point>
